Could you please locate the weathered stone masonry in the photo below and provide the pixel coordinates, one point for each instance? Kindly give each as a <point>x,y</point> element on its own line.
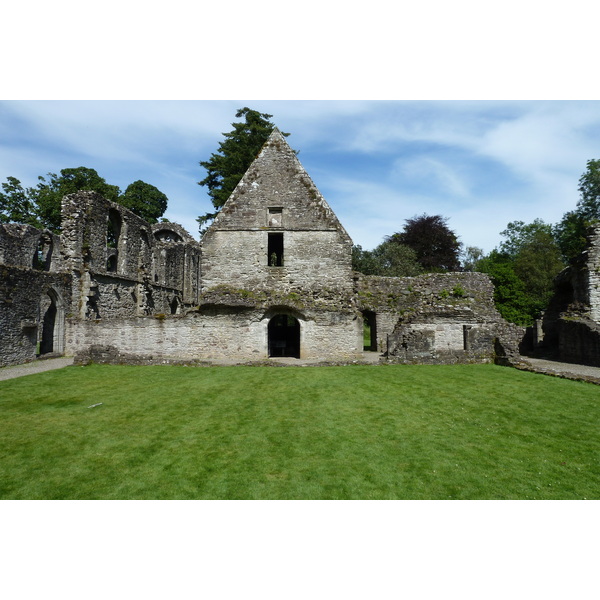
<point>272,277</point>
<point>571,325</point>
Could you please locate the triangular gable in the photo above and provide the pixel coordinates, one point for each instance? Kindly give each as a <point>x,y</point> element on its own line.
<point>277,179</point>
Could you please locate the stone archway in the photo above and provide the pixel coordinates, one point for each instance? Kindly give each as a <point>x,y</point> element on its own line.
<point>284,336</point>
<point>52,324</point>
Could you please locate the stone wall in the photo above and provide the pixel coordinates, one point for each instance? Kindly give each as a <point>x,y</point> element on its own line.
<point>33,306</point>
<point>123,266</point>
<point>579,341</point>
<point>276,231</point>
<point>571,323</point>
<point>312,260</point>
<point>441,318</point>
<point>29,248</point>
<point>593,270</point>
<point>272,277</point>
<point>217,332</point>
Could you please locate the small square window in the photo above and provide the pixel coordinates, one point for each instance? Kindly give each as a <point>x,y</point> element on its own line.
<point>275,217</point>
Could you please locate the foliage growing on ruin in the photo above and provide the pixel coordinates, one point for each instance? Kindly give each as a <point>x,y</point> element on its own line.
<point>227,165</point>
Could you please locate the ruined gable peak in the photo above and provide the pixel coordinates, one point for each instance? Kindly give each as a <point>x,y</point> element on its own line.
<point>276,180</point>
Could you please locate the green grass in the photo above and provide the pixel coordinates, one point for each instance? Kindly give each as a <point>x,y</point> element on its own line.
<point>355,432</point>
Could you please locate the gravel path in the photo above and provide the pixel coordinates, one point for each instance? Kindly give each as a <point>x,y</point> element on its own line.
<point>37,366</point>
<point>564,370</point>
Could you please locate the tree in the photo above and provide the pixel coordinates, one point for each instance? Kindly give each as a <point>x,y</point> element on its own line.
<point>48,195</point>
<point>570,232</point>
<point>523,269</point>
<point>570,235</point>
<point>436,246</point>
<point>389,259</point>
<point>16,205</point>
<point>236,153</point>
<point>145,200</point>
<point>510,296</point>
<point>40,206</point>
<point>471,256</point>
<point>589,188</point>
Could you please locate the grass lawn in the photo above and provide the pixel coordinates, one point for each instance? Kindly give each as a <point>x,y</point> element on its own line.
<point>354,432</point>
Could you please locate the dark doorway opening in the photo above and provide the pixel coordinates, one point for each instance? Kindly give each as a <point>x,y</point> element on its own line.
<point>284,336</point>
<point>275,250</point>
<point>48,323</point>
<point>369,331</point>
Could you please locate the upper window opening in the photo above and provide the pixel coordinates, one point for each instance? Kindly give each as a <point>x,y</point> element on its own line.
<point>113,229</point>
<point>42,258</point>
<point>275,250</point>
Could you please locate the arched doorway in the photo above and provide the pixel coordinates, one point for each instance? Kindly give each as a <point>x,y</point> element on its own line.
<point>284,336</point>
<point>52,326</point>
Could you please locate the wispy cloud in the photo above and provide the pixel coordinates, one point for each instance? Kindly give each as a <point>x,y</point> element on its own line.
<point>481,164</point>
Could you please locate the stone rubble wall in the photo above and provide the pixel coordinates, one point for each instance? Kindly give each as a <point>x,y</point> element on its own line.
<point>572,321</point>
<point>593,265</point>
<point>26,247</point>
<point>143,253</point>
<point>438,318</point>
<point>579,341</point>
<point>23,302</point>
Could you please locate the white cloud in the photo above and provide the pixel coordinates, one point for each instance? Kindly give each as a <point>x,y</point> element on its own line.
<point>482,164</point>
<point>433,173</point>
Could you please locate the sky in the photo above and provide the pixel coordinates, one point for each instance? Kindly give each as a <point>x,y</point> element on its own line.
<point>481,164</point>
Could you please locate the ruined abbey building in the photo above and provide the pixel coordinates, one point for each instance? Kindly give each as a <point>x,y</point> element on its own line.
<point>272,277</point>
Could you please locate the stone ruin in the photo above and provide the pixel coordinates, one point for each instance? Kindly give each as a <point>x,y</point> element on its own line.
<point>272,277</point>
<point>569,330</point>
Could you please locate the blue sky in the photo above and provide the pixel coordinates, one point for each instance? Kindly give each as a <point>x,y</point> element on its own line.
<point>481,164</point>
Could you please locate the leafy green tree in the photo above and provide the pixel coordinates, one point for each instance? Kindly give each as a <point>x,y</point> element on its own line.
<point>523,269</point>
<point>510,296</point>
<point>570,234</point>
<point>236,153</point>
<point>471,256</point>
<point>145,200</point>
<point>571,231</point>
<point>436,246</point>
<point>589,188</point>
<point>389,259</point>
<point>518,234</point>
<point>40,206</point>
<point>16,204</point>
<point>49,193</point>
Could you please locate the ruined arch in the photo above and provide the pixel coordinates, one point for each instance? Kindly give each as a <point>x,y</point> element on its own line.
<point>167,235</point>
<point>52,323</point>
